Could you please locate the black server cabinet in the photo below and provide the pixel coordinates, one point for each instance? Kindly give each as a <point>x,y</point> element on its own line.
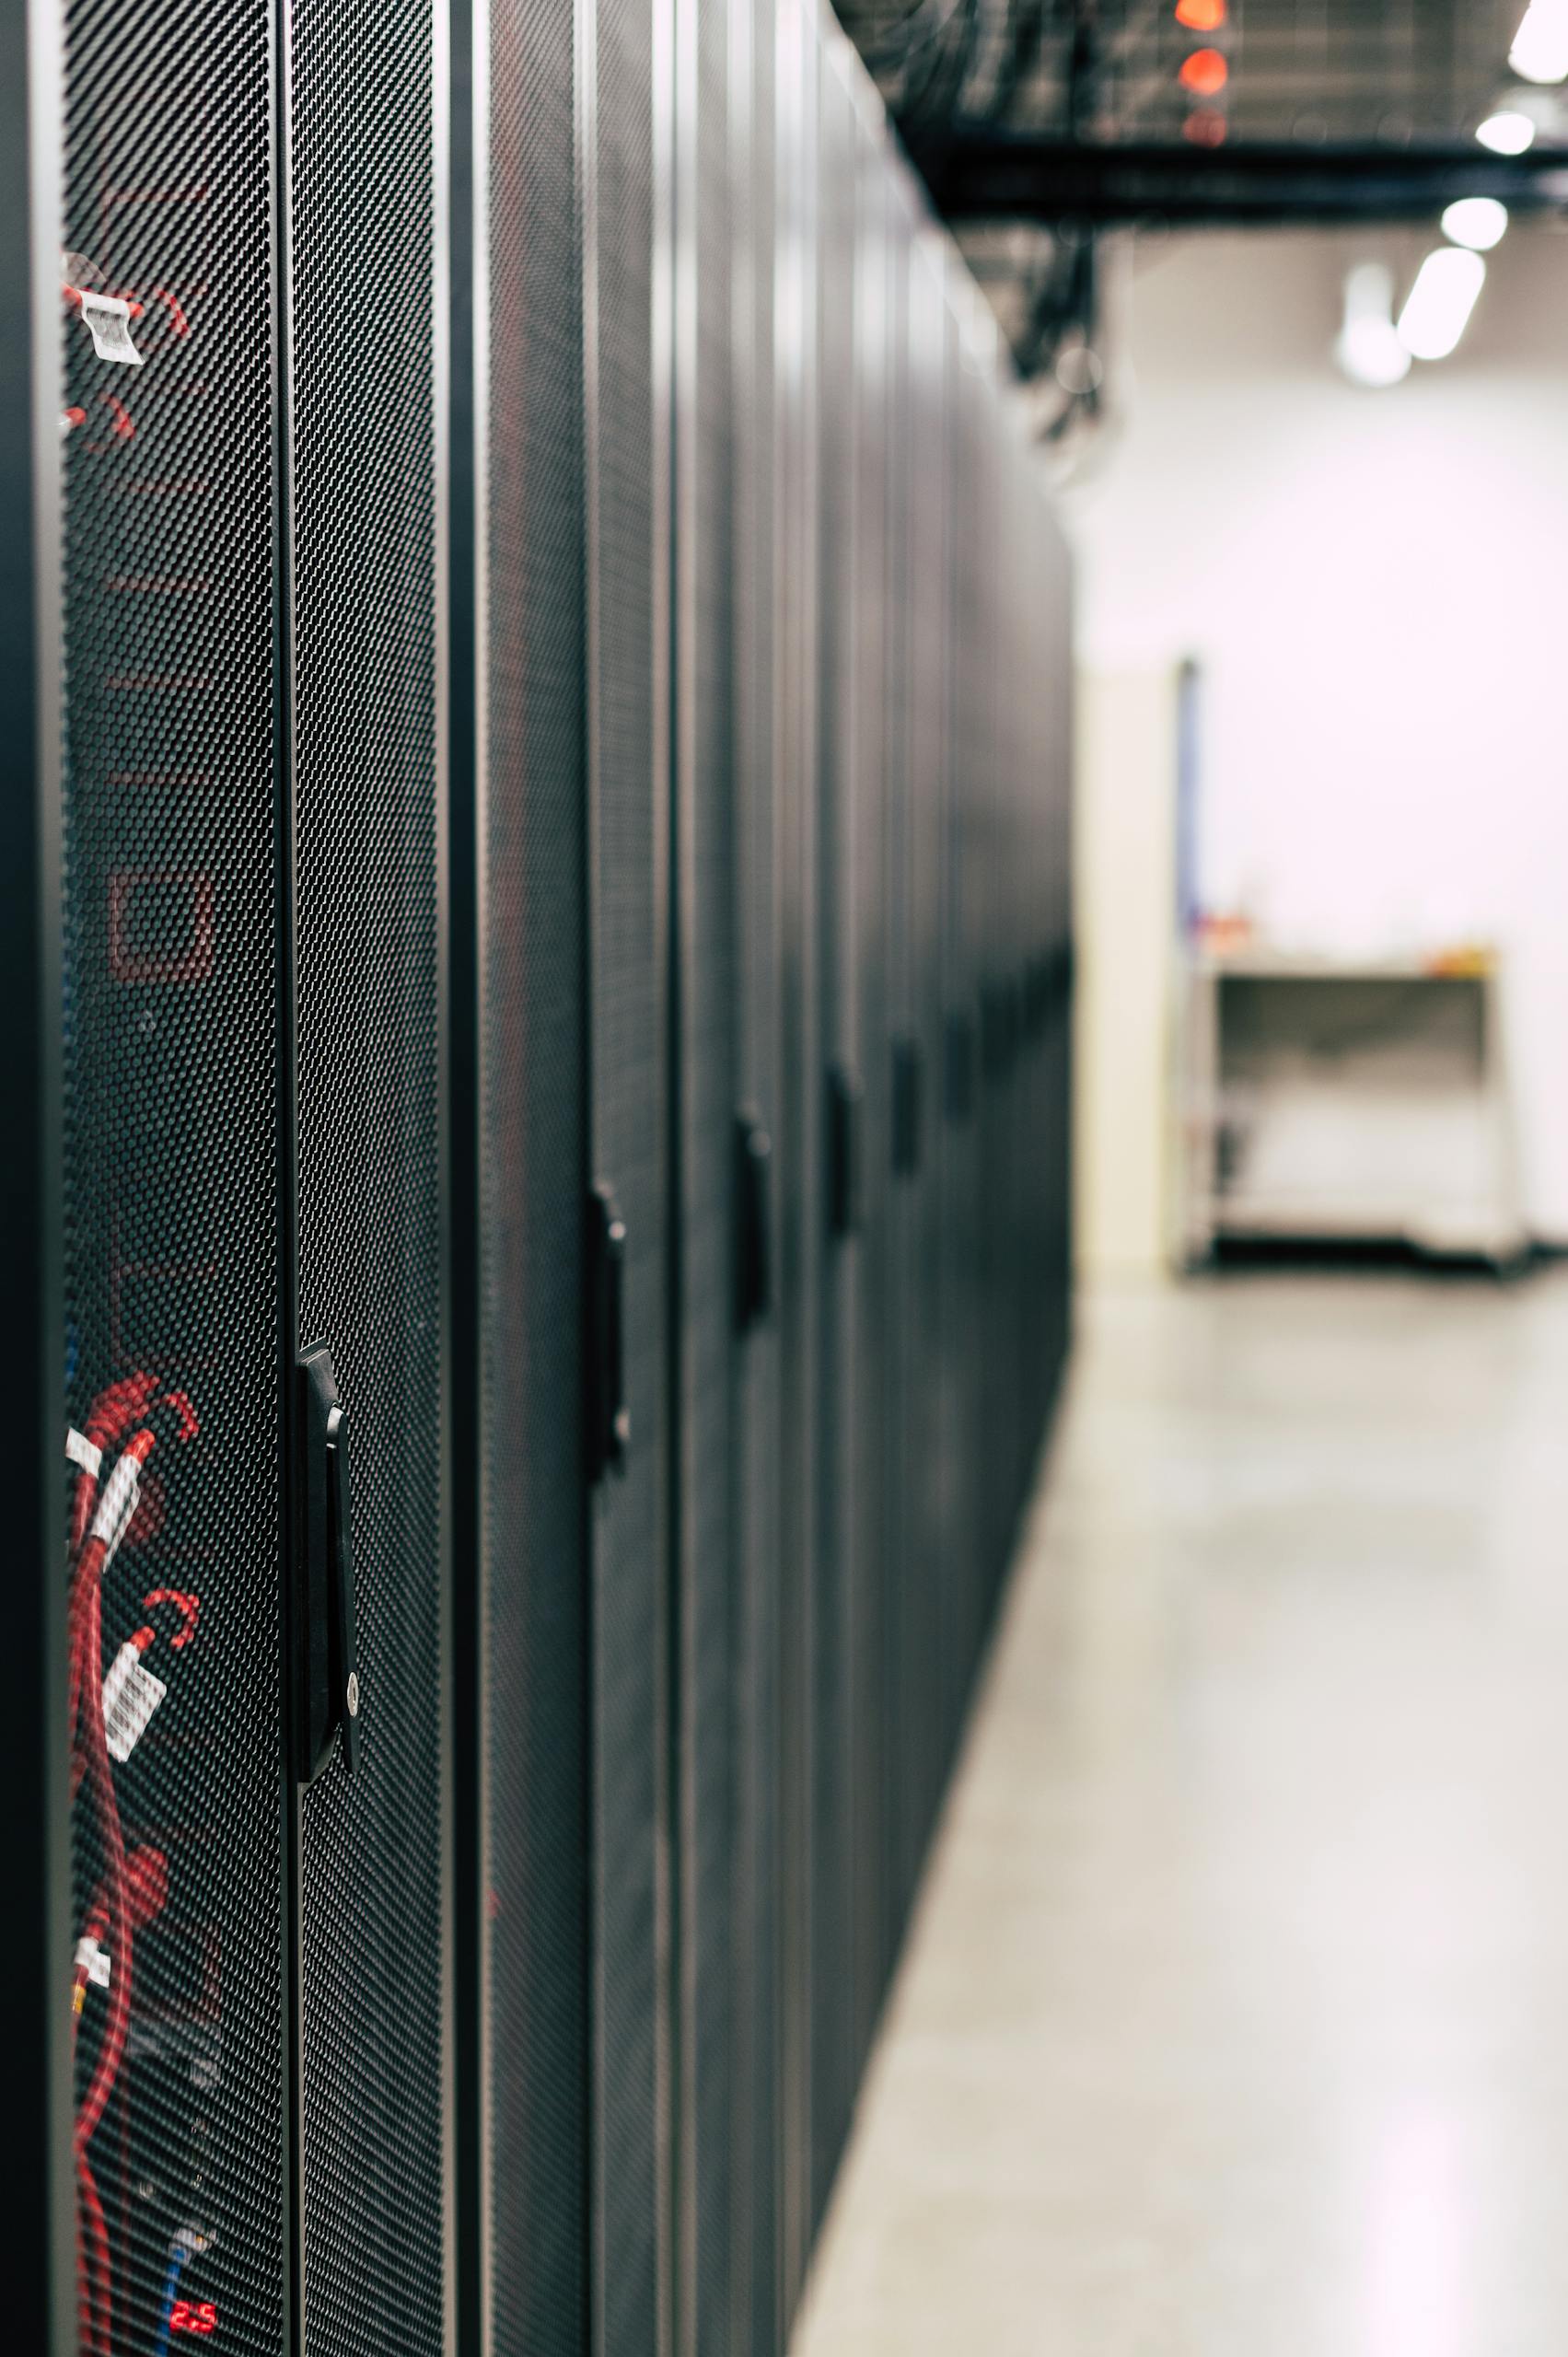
<point>627,523</point>
<point>922,1569</point>
<point>799,1190</point>
<point>365,611</point>
<point>169,1346</point>
<point>960,1174</point>
<point>40,2192</point>
<point>524,1711</point>
<point>872,421</point>
<point>720,1180</point>
<point>832,1189</point>
<point>755,2284</point>
<point>907,1085</point>
<point>242,518</point>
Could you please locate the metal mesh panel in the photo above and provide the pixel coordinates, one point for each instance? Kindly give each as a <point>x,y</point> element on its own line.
<point>703,868</point>
<point>533,1184</point>
<point>871,1772</point>
<point>170,1211</point>
<point>898,1332</point>
<point>630,1570</point>
<point>833,1798</point>
<point>369,1286</point>
<point>921,1566</point>
<point>755,2049</point>
<point>799,1194</point>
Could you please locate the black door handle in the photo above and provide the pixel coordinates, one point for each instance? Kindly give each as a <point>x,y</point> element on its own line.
<point>329,1695</point>
<point>753,1227</point>
<point>607,1418</point>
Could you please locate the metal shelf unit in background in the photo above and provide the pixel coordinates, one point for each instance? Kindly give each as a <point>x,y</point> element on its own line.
<point>537,711</point>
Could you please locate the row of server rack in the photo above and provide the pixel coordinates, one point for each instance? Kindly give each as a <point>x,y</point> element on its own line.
<point>535,905</point>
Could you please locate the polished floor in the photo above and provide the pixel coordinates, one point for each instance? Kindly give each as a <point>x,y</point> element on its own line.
<point>1234,2022</point>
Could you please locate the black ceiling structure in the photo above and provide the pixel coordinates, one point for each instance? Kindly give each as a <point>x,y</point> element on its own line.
<point>1038,124</point>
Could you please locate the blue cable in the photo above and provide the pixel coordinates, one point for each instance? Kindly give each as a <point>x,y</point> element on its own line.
<point>175,2262</point>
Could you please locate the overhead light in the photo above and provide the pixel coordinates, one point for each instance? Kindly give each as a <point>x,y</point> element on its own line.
<point>1440,302</point>
<point>1475,221</point>
<point>1540,46</point>
<point>1368,349</point>
<point>1507,132</point>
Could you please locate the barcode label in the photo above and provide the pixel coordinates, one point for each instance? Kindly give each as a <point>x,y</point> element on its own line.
<point>130,1695</point>
<point>109,317</point>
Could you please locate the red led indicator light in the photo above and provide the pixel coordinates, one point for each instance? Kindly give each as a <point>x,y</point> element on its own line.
<point>1201,16</point>
<point>1205,71</point>
<point>193,2316</point>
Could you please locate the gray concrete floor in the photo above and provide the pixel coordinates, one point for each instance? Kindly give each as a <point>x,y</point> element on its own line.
<point>1235,2021</point>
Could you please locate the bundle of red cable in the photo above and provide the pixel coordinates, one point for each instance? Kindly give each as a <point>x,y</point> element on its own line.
<point>129,1895</point>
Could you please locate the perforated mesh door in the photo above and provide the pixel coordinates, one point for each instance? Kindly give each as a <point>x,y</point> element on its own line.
<point>868,1666</point>
<point>370,1240</point>
<point>965,1179</point>
<point>627,882</point>
<point>703,868</point>
<point>171,1130</point>
<point>921,1568</point>
<point>755,2065</point>
<point>799,1196</point>
<point>834,1799</point>
<point>533,851</point>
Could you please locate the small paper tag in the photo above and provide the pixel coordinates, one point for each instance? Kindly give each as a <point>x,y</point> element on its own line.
<point>80,1451</point>
<point>109,317</point>
<point>130,1695</point>
<point>93,1961</point>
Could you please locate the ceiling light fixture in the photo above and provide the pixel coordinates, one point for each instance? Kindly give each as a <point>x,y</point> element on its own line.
<point>1507,132</point>
<point>1368,348</point>
<point>1478,222</point>
<point>1439,305</point>
<point>1540,46</point>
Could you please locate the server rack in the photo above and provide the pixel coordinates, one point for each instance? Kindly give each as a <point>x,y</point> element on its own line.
<point>546,635</point>
<point>834,1195</point>
<point>719,1256</point>
<point>528,1916</point>
<point>623,183</point>
<point>249,1097</point>
<point>757,2296</point>
<point>870,1617</point>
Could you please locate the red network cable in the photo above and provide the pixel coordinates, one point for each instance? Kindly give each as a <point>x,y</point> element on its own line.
<point>131,1893</point>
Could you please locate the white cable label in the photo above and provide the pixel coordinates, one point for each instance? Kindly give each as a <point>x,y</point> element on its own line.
<point>117,1505</point>
<point>130,1695</point>
<point>109,317</point>
<point>80,1451</point>
<point>94,1961</point>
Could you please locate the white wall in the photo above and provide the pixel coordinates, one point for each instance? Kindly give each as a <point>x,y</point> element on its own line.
<point>1377,586</point>
<point>1123,899</point>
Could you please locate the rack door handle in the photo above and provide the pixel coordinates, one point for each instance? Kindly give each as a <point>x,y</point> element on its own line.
<point>327,1649</point>
<point>608,1417</point>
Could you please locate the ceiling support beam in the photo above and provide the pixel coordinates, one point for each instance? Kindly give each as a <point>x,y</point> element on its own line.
<point>1015,175</point>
